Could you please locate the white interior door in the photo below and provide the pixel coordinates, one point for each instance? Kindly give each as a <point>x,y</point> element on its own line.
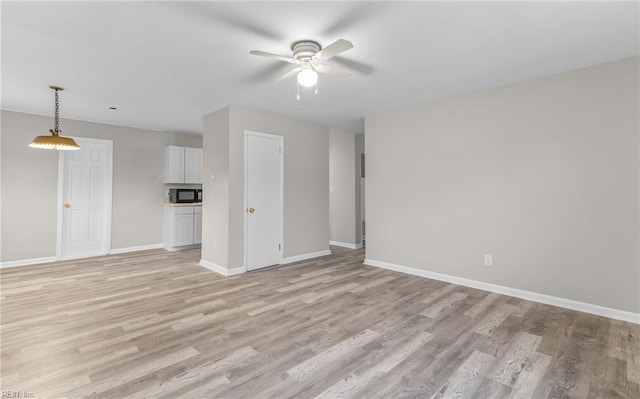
<point>263,200</point>
<point>85,200</point>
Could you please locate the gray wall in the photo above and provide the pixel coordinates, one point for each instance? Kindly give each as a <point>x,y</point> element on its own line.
<point>215,188</point>
<point>543,175</point>
<point>30,181</point>
<point>306,182</point>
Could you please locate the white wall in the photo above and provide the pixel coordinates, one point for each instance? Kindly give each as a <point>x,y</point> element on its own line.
<point>30,182</point>
<point>543,175</point>
<point>306,182</point>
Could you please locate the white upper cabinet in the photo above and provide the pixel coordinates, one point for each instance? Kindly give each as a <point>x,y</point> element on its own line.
<point>173,164</point>
<point>193,165</point>
<point>182,165</point>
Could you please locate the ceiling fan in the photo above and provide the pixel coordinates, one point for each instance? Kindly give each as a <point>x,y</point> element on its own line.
<point>311,59</point>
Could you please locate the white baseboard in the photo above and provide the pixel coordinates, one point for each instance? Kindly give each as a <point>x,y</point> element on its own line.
<point>239,270</point>
<point>221,270</point>
<point>49,259</point>
<point>499,289</point>
<point>134,249</point>
<point>181,248</point>
<point>234,271</point>
<point>27,262</point>
<point>345,244</point>
<point>309,255</point>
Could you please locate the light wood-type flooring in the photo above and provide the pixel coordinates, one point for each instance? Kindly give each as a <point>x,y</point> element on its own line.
<point>154,324</point>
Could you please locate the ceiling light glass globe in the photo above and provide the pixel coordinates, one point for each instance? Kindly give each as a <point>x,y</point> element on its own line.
<point>307,77</point>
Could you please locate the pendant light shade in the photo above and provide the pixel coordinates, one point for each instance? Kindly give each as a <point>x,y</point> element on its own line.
<point>55,141</point>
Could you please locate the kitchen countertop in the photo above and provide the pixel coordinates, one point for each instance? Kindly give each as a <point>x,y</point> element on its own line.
<point>167,203</point>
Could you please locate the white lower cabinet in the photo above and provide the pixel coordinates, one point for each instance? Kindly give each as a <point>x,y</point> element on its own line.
<point>182,227</point>
<point>197,225</point>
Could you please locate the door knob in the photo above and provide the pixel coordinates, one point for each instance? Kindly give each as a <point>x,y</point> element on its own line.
<point>251,210</point>
<point>67,205</point>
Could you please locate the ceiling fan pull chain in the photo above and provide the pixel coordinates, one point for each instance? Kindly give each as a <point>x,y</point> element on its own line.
<point>316,91</point>
<point>298,91</point>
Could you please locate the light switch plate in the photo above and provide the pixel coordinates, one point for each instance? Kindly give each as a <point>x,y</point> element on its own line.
<point>488,260</point>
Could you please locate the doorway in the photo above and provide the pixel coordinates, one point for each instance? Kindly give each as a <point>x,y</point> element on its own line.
<point>263,195</point>
<point>363,231</point>
<point>85,179</point>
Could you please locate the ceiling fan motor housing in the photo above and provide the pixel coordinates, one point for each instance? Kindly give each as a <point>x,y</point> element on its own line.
<point>305,49</point>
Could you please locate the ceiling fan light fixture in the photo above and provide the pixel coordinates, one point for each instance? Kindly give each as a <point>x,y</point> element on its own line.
<point>55,141</point>
<point>307,77</point>
<point>310,59</point>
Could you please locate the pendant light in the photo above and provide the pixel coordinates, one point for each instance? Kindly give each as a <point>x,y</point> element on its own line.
<point>55,141</point>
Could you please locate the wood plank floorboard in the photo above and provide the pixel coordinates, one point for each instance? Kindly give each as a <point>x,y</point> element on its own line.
<point>155,324</point>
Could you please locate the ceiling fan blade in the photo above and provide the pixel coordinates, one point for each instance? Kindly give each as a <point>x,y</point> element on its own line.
<point>288,75</point>
<point>267,73</point>
<point>332,70</point>
<point>335,48</point>
<point>356,66</point>
<point>275,56</point>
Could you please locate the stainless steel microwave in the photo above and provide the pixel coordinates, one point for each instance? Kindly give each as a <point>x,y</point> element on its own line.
<point>180,195</point>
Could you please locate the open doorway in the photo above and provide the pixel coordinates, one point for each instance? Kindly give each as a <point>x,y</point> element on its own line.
<point>347,190</point>
<point>363,224</point>
<point>360,189</point>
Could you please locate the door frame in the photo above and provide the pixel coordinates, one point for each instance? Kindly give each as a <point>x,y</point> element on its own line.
<point>108,201</point>
<point>245,237</point>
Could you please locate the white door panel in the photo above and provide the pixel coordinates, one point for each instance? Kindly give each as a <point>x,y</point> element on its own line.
<point>86,199</point>
<point>263,199</point>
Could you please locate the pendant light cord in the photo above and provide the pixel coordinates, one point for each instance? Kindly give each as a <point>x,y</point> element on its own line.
<point>57,114</point>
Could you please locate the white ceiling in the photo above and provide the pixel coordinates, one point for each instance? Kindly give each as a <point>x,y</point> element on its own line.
<point>166,64</point>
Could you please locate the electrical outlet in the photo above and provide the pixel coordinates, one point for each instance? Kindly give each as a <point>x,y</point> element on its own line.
<point>488,260</point>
